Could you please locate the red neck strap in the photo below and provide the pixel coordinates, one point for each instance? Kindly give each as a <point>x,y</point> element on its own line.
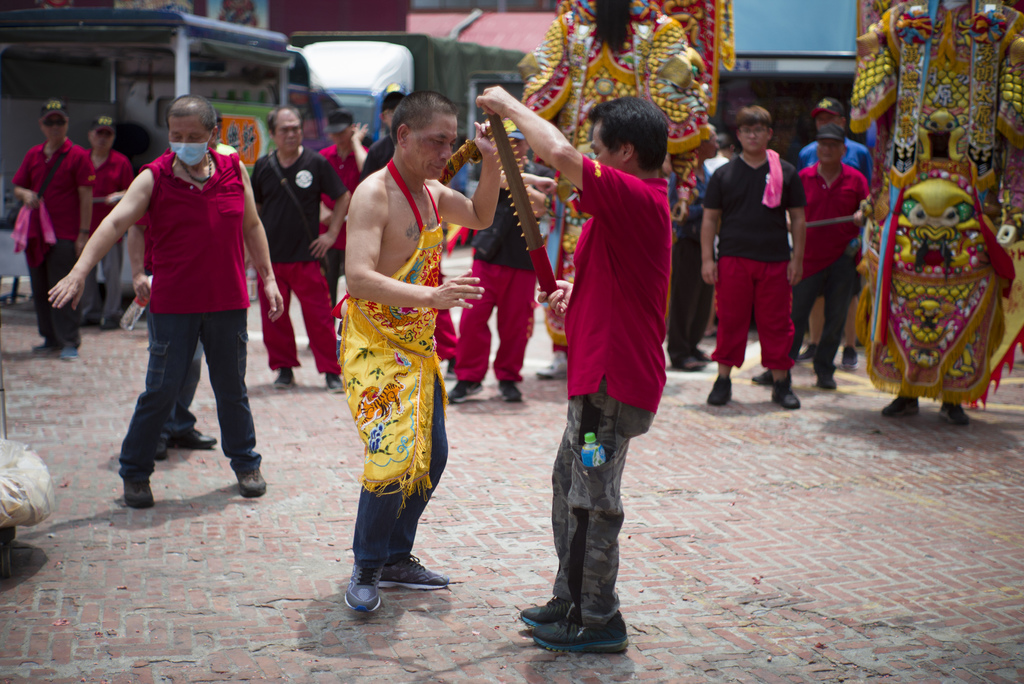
<point>408,195</point>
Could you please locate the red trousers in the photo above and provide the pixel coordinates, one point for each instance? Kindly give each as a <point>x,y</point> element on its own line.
<point>761,287</point>
<point>444,335</point>
<point>511,291</point>
<point>305,280</point>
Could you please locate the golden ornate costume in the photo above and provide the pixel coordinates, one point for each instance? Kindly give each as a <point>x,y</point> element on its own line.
<point>573,70</point>
<point>946,88</point>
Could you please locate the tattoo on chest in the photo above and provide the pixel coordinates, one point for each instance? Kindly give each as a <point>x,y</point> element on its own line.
<point>412,232</point>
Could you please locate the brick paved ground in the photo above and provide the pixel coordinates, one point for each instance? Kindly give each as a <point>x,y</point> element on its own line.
<point>826,544</point>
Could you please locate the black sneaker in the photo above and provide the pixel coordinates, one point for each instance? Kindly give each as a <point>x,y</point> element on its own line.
<point>826,382</point>
<point>782,394</point>
<point>161,448</point>
<point>464,390</point>
<point>138,494</point>
<point>334,383</point>
<point>362,594</point>
<point>568,636</point>
<point>411,574</point>
<point>285,379</point>
<point>954,414</point>
<point>849,362</point>
<point>764,379</point>
<point>554,610</point>
<point>900,407</point>
<point>449,374</point>
<point>251,484</point>
<point>721,393</point>
<point>110,323</point>
<point>509,391</point>
<point>808,353</point>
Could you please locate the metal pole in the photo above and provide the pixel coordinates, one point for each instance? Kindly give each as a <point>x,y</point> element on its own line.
<point>182,77</point>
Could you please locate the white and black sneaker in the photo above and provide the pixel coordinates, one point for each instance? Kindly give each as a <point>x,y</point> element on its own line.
<point>411,574</point>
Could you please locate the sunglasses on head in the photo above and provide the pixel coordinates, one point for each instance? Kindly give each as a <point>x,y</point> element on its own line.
<point>54,121</point>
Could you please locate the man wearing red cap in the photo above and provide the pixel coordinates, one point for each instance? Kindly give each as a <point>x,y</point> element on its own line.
<point>54,182</point>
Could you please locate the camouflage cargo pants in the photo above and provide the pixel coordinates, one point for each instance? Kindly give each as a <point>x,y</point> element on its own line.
<point>586,509</point>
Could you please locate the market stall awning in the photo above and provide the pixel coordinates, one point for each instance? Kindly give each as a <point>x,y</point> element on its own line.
<point>522,31</point>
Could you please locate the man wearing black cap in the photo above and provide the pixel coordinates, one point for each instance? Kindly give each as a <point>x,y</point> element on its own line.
<point>55,179</point>
<point>113,174</point>
<point>381,152</point>
<point>829,110</point>
<point>833,189</point>
<point>346,157</point>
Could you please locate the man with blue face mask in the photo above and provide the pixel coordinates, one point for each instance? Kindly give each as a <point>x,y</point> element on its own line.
<point>202,218</point>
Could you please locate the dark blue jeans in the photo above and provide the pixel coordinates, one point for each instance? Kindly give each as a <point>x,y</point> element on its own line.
<point>836,284</point>
<point>171,350</point>
<point>385,532</point>
<point>181,419</point>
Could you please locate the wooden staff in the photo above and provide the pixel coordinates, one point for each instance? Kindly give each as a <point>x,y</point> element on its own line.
<point>524,210</point>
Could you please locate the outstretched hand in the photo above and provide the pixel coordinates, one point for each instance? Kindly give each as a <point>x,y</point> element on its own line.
<point>456,292</point>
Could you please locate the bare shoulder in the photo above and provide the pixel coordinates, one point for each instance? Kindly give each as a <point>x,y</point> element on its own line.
<point>369,201</point>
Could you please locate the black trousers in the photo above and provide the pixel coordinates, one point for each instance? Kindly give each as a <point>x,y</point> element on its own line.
<point>59,327</point>
<point>836,283</point>
<point>334,268</point>
<point>689,302</point>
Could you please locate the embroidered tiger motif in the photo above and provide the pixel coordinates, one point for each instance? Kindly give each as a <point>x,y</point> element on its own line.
<point>379,404</point>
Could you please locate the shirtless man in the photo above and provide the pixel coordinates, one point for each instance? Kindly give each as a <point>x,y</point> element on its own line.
<point>389,364</point>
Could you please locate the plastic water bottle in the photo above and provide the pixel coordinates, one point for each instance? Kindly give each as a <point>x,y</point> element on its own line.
<point>133,313</point>
<point>250,279</point>
<point>593,452</point>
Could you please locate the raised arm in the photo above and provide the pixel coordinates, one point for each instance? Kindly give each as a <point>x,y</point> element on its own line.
<point>546,140</point>
<point>124,214</point>
<point>478,212</point>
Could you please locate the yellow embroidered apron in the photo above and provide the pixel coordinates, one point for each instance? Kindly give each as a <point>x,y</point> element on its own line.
<point>390,370</point>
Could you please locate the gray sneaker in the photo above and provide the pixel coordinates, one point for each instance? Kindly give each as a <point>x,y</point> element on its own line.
<point>362,594</point>
<point>411,574</point>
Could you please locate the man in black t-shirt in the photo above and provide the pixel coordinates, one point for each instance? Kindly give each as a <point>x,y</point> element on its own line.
<point>746,205</point>
<point>287,184</point>
<point>381,152</point>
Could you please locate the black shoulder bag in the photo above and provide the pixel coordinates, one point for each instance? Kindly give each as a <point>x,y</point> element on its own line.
<point>276,165</point>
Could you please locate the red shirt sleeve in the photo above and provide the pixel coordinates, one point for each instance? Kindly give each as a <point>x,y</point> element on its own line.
<point>23,176</point>
<point>85,175</point>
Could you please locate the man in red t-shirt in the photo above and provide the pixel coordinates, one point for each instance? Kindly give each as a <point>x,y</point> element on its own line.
<point>346,156</point>
<point>114,174</point>
<point>833,190</point>
<point>615,324</point>
<point>202,220</point>
<point>65,170</point>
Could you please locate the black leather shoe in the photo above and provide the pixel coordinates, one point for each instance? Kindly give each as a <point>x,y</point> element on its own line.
<point>334,383</point>
<point>782,394</point>
<point>826,382</point>
<point>954,414</point>
<point>193,439</point>
<point>138,494</point>
<point>765,379</point>
<point>161,448</point>
<point>901,406</point>
<point>509,392</point>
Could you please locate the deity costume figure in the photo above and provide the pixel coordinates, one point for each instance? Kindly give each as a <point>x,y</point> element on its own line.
<point>393,349</point>
<point>599,50</point>
<point>940,314</point>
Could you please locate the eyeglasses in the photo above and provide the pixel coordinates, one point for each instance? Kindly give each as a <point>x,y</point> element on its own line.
<point>752,130</point>
<point>55,122</point>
